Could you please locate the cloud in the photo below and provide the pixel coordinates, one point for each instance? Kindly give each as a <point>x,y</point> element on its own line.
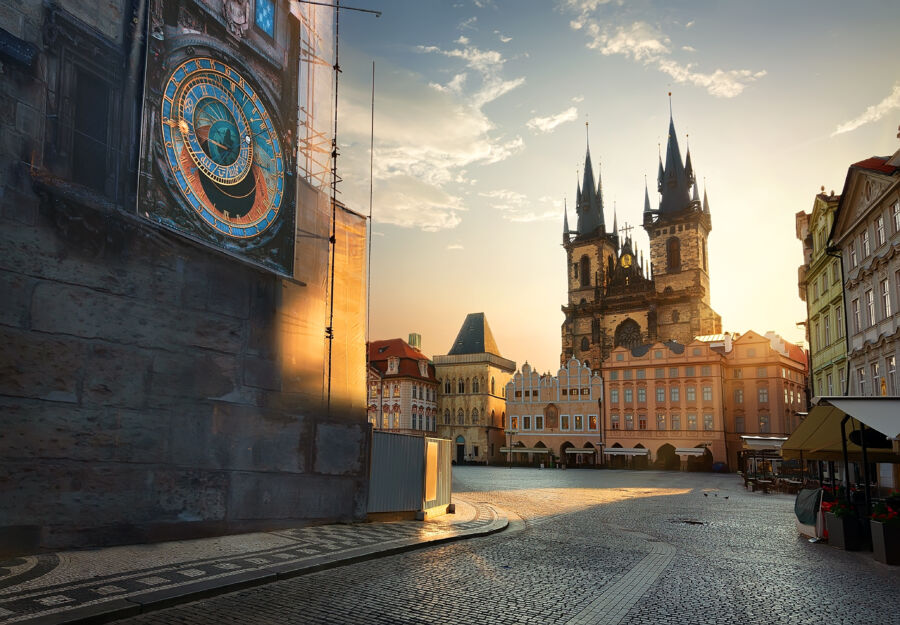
<point>516,208</point>
<point>455,246</point>
<point>548,124</point>
<point>428,138</point>
<point>577,99</point>
<point>645,44</point>
<point>872,113</point>
<point>468,24</point>
<point>689,48</point>
<point>503,38</point>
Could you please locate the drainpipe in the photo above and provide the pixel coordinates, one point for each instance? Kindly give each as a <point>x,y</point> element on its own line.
<point>834,252</point>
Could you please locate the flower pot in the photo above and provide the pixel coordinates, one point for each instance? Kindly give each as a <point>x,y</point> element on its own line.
<point>843,532</point>
<point>886,542</point>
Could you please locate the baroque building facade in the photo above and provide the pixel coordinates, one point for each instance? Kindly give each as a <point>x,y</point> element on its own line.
<point>472,379</point>
<point>402,388</point>
<point>616,297</point>
<point>554,418</point>
<point>821,287</point>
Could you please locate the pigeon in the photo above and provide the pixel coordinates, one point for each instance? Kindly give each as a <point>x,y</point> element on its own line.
<point>715,494</point>
<point>705,495</point>
<point>726,496</point>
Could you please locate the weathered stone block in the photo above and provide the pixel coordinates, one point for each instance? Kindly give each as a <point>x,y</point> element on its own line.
<point>16,301</point>
<point>339,448</point>
<point>274,496</point>
<point>115,375</point>
<point>262,373</point>
<point>79,311</point>
<point>38,366</point>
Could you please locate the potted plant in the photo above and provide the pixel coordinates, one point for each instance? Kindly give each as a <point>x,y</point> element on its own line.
<point>885,523</point>
<point>842,525</point>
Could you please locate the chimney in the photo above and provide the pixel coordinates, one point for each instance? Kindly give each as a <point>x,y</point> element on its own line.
<point>415,340</point>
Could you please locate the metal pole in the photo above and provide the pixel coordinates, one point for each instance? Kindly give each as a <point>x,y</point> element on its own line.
<point>846,458</point>
<point>865,459</point>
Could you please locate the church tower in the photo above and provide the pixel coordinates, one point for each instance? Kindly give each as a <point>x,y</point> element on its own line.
<point>678,231</point>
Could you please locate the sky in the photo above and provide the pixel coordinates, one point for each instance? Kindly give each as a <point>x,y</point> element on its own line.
<point>480,133</point>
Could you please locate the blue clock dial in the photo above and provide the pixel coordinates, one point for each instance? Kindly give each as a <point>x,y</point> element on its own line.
<point>222,148</point>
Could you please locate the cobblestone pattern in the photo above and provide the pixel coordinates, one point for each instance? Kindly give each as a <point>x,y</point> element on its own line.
<point>306,543</point>
<point>735,558</point>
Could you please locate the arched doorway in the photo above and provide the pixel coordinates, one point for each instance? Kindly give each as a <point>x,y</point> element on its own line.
<point>700,463</point>
<point>590,458</point>
<point>666,458</point>
<point>460,449</point>
<point>540,458</point>
<point>564,457</point>
<point>640,462</point>
<point>617,461</point>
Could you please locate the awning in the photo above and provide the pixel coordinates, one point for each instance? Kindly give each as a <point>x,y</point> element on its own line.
<point>763,442</point>
<point>626,451</point>
<point>690,451</point>
<point>584,450</point>
<point>524,450</point>
<point>818,437</point>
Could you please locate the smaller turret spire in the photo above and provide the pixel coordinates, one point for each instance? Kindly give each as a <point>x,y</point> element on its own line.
<point>647,209</point>
<point>565,222</point>
<point>705,200</point>
<point>696,194</point>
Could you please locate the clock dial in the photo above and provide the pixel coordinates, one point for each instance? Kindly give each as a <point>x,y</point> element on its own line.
<point>222,148</point>
<point>626,260</point>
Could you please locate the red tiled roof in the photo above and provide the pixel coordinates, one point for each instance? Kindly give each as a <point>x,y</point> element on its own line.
<point>876,163</point>
<point>380,351</point>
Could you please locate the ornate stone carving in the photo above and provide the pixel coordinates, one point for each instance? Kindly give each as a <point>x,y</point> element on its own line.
<point>237,16</point>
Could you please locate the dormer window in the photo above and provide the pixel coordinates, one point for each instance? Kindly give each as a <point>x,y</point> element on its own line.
<point>423,368</point>
<point>393,364</point>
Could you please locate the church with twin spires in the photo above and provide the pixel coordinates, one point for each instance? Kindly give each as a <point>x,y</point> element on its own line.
<point>617,296</point>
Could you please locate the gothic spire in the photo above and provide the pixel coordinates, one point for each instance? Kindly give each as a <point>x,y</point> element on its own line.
<point>565,223</point>
<point>696,193</point>
<point>688,167</point>
<point>590,215</point>
<point>676,191</point>
<point>647,209</point>
<point>659,176</point>
<point>705,201</point>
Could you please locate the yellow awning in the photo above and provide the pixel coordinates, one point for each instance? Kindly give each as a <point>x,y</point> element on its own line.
<point>818,437</point>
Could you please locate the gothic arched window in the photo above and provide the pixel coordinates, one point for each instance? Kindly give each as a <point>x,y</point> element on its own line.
<point>447,387</point>
<point>461,417</point>
<point>628,334</point>
<point>446,416</point>
<point>492,385</point>
<point>585,345</point>
<point>673,254</point>
<point>475,387</point>
<point>585,271</point>
<point>474,416</point>
<point>461,386</point>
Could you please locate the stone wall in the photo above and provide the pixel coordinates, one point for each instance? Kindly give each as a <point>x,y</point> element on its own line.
<point>154,388</point>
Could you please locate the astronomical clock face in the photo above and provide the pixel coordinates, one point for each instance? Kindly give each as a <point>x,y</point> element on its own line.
<point>222,148</point>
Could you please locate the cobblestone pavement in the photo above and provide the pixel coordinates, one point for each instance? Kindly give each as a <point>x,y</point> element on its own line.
<point>592,547</point>
<point>73,584</point>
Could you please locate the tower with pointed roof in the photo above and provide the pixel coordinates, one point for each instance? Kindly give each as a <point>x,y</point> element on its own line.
<point>678,231</point>
<point>615,298</point>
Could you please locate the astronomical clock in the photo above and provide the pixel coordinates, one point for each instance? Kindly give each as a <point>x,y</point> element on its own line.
<point>217,159</point>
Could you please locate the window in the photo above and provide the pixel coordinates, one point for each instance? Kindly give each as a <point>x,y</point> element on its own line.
<point>526,422</point>
<point>870,306</point>
<point>642,422</point>
<point>861,380</point>
<point>891,366</point>
<point>613,375</point>
<point>641,374</point>
<point>564,422</point>
<point>660,373</point>
<point>885,299</point>
<point>447,417</point>
<point>660,421</point>
<point>620,356</point>
<point>738,373</point>
<point>538,422</point>
<point>447,390</point>
<point>585,273</point>
<point>629,422</point>
<point>835,273</point>
<point>739,424</point>
<point>843,379</point>
<point>629,395</point>
<point>674,394</point>
<point>415,391</point>
<point>592,422</point>
<point>815,290</point>
<point>895,215</point>
<point>707,422</point>
<point>829,384</point>
<point>764,423</point>
<point>707,393</point>
<point>673,254</point>
<point>760,372</point>
<point>676,421</point>
<point>642,395</point>
<point>627,374</point>
<point>614,421</point>
<point>265,16</point>
<point>864,243</point>
<point>751,352</point>
<point>513,422</point>
<point>673,372</point>
<point>879,230</point>
<point>460,417</point>
<point>839,322</point>
<point>739,396</point>
<point>763,395</point>
<point>690,393</point>
<point>90,130</point>
<point>614,396</point>
<point>692,421</point>
<point>660,394</point>
<point>585,345</point>
<point>696,351</point>
<point>876,379</point>
<point>657,353</point>
<point>853,261</point>
<point>475,385</point>
<point>474,416</point>
<point>706,370</point>
<point>492,386</point>
<point>817,335</point>
<point>396,391</point>
<point>579,422</point>
<point>827,325</point>
<point>689,372</point>
<point>461,387</point>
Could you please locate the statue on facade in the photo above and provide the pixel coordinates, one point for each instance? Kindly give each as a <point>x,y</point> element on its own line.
<point>237,16</point>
